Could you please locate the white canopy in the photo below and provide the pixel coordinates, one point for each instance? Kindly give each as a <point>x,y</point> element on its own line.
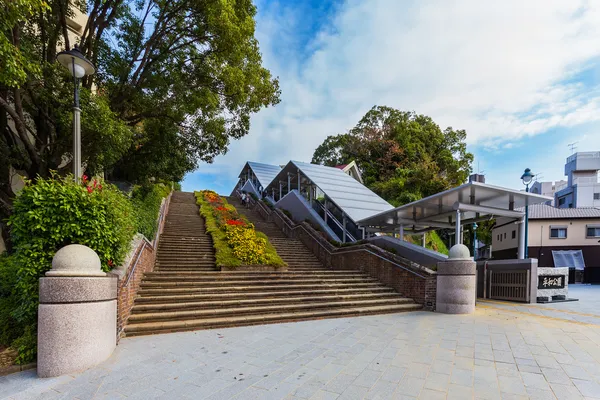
<point>474,201</point>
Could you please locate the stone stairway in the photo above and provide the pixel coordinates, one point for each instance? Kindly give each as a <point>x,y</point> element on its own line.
<point>186,292</point>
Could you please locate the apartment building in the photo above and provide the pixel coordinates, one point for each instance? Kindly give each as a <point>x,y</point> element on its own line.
<point>551,231</point>
<point>582,188</point>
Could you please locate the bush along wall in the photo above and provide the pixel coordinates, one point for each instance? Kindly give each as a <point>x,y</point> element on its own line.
<point>235,239</point>
<point>48,215</point>
<point>146,201</point>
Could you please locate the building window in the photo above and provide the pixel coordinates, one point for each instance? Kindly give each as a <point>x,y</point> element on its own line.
<point>504,235</point>
<point>558,232</point>
<point>514,234</point>
<point>562,201</point>
<point>593,231</point>
<point>596,196</point>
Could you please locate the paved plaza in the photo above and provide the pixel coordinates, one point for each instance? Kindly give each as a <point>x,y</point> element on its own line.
<point>501,352</point>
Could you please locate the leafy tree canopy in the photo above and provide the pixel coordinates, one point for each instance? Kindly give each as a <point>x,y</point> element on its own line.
<point>403,156</point>
<point>176,81</point>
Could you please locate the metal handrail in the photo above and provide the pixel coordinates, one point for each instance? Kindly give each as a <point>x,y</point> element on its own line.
<point>146,242</point>
<point>293,228</point>
<point>336,221</point>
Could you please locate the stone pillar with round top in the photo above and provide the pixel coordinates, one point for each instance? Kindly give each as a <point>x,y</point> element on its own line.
<point>456,282</point>
<point>77,315</point>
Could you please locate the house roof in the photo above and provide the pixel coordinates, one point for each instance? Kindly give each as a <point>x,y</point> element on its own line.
<point>341,166</point>
<point>352,197</point>
<point>544,211</point>
<point>265,173</point>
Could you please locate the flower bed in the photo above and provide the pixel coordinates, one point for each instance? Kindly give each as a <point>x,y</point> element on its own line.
<point>235,240</point>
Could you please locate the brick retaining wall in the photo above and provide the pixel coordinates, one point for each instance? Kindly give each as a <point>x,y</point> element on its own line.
<point>409,279</point>
<point>131,274</point>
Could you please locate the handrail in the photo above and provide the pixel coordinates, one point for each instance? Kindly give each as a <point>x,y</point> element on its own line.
<point>293,228</point>
<point>154,244</point>
<point>337,222</point>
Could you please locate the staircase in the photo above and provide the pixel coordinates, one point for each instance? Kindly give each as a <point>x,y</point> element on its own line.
<point>186,292</point>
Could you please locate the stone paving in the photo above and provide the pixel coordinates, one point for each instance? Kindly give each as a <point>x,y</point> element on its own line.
<point>500,352</point>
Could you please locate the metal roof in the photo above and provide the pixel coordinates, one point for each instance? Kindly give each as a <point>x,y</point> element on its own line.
<point>544,211</point>
<point>265,173</point>
<point>475,200</point>
<point>349,195</point>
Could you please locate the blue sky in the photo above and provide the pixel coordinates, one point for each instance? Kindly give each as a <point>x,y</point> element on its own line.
<point>522,78</point>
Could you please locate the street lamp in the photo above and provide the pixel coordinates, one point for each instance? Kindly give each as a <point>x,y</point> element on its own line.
<point>527,177</point>
<point>78,66</point>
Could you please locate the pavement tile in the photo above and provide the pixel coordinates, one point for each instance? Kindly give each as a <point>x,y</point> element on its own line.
<point>394,374</point>
<point>411,386</point>
<point>511,385</point>
<point>354,393</point>
<point>367,378</point>
<point>437,381</point>
<point>532,380</point>
<point>324,395</point>
<point>565,392</point>
<point>588,388</point>
<point>340,383</point>
<point>577,372</point>
<point>555,375</point>
<point>428,394</point>
<point>459,392</point>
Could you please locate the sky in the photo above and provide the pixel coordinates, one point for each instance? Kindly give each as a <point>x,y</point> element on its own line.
<point>521,77</point>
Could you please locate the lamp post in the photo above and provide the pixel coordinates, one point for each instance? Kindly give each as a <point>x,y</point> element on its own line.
<point>527,177</point>
<point>475,241</point>
<point>78,66</point>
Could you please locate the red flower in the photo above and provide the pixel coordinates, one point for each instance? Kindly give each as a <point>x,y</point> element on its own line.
<point>234,222</point>
<point>84,178</point>
<point>99,187</point>
<point>110,263</point>
<point>95,183</point>
<point>89,189</point>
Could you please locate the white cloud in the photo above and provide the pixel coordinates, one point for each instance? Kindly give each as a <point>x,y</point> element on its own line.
<point>501,70</point>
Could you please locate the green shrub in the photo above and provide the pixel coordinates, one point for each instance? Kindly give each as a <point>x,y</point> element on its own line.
<point>50,214</point>
<point>287,213</point>
<point>9,326</point>
<point>146,202</point>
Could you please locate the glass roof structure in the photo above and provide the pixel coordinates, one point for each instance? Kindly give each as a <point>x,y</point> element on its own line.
<point>474,201</point>
<point>349,195</point>
<point>265,173</point>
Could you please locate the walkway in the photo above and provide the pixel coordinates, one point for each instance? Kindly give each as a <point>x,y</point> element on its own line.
<point>496,353</point>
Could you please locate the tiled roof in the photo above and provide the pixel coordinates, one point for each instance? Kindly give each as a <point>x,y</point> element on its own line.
<point>544,211</point>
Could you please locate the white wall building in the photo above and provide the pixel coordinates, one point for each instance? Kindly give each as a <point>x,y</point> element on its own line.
<point>547,189</point>
<point>582,188</point>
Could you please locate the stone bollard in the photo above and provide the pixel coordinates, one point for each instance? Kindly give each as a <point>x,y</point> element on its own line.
<point>77,315</point>
<point>456,282</point>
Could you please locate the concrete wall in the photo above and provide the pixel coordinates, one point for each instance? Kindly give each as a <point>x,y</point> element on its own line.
<point>301,210</point>
<point>418,254</point>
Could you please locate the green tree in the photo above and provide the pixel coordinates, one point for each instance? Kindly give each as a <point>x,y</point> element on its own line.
<point>403,156</point>
<point>176,81</point>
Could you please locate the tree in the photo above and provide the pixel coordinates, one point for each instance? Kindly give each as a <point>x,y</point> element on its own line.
<point>403,156</point>
<point>176,81</point>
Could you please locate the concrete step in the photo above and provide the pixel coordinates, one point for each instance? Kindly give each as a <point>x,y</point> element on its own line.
<point>254,281</point>
<point>207,323</point>
<point>178,315</point>
<point>248,288</point>
<point>278,277</point>
<point>234,274</point>
<point>190,297</point>
<point>225,303</point>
